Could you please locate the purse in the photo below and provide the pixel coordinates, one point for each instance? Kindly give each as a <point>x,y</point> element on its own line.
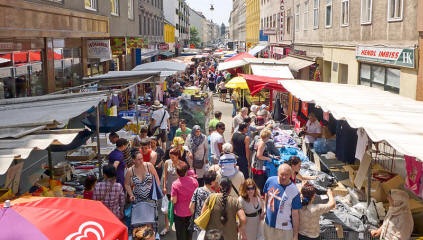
<point>199,163</point>
<point>203,220</point>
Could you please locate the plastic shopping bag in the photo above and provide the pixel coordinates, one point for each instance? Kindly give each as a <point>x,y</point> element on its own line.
<point>170,214</point>
<point>201,235</point>
<point>165,205</point>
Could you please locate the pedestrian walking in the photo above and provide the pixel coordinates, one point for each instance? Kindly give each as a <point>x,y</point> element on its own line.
<point>117,159</point>
<point>159,124</point>
<point>259,157</point>
<point>183,131</point>
<point>148,155</point>
<point>310,212</point>
<point>109,192</point>
<point>253,207</point>
<point>199,148</point>
<point>160,155</point>
<point>224,212</point>
<point>216,142</point>
<point>283,202</point>
<point>169,176</point>
<point>239,118</point>
<point>241,143</point>
<point>173,119</point>
<point>200,196</point>
<point>182,190</point>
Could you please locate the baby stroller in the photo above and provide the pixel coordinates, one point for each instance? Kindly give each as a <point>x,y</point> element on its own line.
<point>145,213</point>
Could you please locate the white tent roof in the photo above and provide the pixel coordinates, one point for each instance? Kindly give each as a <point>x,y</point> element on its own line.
<point>257,49</point>
<point>37,111</point>
<point>276,71</point>
<point>384,116</point>
<point>162,66</point>
<point>296,64</point>
<point>11,148</point>
<point>122,74</point>
<point>232,64</point>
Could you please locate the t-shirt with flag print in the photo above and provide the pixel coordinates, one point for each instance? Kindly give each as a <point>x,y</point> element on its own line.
<point>280,202</point>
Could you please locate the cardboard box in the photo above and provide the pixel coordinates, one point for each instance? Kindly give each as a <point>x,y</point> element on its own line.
<point>352,170</point>
<point>340,190</point>
<point>379,190</point>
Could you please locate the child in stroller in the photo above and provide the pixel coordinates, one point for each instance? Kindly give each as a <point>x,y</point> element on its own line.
<point>144,221</point>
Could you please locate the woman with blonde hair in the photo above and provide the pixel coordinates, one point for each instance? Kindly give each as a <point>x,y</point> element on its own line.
<point>253,208</point>
<point>258,161</point>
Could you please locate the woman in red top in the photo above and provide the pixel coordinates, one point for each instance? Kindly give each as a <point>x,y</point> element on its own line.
<point>148,154</point>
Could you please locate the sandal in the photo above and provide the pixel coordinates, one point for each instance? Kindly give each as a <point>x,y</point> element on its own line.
<point>164,232</point>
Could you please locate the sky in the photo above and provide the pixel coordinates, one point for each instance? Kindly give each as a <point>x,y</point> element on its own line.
<point>222,9</point>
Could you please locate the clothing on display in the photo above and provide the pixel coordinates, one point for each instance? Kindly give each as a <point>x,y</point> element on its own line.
<point>414,173</point>
<point>362,142</point>
<point>346,142</point>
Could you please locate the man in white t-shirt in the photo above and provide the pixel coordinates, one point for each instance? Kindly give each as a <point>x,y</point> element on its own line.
<point>313,129</point>
<point>160,119</point>
<point>216,142</point>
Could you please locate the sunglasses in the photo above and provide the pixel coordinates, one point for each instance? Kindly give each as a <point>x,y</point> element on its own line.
<point>251,188</point>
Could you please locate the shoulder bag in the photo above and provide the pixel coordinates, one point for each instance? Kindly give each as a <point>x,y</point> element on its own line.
<point>198,163</point>
<point>203,220</point>
<point>156,130</point>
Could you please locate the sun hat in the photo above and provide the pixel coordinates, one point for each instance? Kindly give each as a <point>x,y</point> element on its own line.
<point>157,104</point>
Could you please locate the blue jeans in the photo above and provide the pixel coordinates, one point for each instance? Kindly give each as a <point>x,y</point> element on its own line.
<point>234,110</point>
<point>172,132</point>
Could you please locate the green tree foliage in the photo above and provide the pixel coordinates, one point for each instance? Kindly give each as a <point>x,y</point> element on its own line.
<point>194,38</point>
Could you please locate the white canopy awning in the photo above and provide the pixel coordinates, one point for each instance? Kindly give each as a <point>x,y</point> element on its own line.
<point>37,111</point>
<point>296,64</point>
<point>384,116</point>
<point>123,74</point>
<point>257,49</point>
<point>232,64</point>
<point>162,66</point>
<point>275,71</point>
<point>12,148</point>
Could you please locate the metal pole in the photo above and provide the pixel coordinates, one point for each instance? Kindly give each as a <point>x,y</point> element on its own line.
<point>100,161</point>
<point>50,163</point>
<point>136,108</point>
<point>369,183</point>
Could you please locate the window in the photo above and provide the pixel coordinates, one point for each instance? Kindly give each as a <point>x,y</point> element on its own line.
<point>395,9</point>
<point>140,24</point>
<point>297,17</point>
<point>316,14</point>
<point>345,12</point>
<point>366,11</point>
<point>270,22</point>
<point>305,15</point>
<point>91,4</point>
<point>384,78</point>
<point>328,22</point>
<point>274,20</point>
<point>262,26</point>
<point>131,9</point>
<point>115,7</point>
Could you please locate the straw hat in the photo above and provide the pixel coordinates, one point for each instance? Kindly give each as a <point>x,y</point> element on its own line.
<point>157,105</point>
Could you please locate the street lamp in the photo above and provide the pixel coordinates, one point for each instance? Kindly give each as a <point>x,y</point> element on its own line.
<point>211,7</point>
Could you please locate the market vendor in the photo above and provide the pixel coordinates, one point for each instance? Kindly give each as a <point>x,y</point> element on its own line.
<point>313,130</point>
<point>398,223</point>
<point>295,163</point>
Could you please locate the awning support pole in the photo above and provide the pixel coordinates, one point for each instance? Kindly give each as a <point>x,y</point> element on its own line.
<point>136,108</point>
<point>50,163</point>
<point>271,100</point>
<point>100,162</point>
<point>369,183</point>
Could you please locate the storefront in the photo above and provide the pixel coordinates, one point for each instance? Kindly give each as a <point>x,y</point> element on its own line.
<point>389,69</point>
<point>38,58</point>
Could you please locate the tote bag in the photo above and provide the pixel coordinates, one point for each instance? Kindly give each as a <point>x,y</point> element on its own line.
<point>203,220</point>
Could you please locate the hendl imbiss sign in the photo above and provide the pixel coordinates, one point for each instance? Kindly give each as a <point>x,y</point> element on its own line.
<point>401,57</point>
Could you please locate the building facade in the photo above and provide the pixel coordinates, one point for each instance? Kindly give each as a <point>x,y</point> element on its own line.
<point>252,22</point>
<point>196,19</point>
<point>183,23</point>
<point>419,90</point>
<point>238,23</point>
<point>46,47</point>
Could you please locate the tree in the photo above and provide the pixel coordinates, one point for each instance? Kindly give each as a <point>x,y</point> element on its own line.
<point>222,29</point>
<point>194,38</point>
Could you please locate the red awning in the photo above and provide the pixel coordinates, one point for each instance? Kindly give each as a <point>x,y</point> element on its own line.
<point>240,57</point>
<point>257,83</point>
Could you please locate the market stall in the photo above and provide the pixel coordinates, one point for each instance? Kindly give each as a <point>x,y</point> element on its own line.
<point>197,106</point>
<point>378,148</point>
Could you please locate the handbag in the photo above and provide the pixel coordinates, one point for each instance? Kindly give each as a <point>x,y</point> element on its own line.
<point>203,220</point>
<point>198,164</point>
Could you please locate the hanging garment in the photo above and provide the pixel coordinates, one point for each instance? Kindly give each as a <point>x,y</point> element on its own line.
<point>346,142</point>
<point>414,172</point>
<point>362,142</point>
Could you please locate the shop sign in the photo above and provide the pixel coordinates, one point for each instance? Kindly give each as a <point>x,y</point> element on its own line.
<point>278,50</point>
<point>164,46</point>
<point>299,52</point>
<point>118,46</point>
<point>136,42</point>
<point>402,57</point>
<point>269,31</point>
<point>282,19</point>
<point>99,49</point>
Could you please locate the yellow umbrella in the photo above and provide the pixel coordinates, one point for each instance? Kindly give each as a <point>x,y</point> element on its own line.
<point>237,82</point>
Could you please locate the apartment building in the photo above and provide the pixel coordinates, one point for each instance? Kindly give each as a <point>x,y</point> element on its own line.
<point>238,24</point>
<point>252,24</point>
<point>183,23</point>
<point>197,20</point>
<point>367,42</point>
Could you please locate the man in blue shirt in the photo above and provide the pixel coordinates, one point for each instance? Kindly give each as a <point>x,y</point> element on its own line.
<point>283,202</point>
<point>116,158</point>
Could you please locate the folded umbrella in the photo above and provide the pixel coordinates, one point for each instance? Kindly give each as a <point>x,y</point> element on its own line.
<point>107,123</point>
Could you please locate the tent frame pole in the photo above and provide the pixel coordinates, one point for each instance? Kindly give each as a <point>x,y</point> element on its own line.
<point>136,108</point>
<point>100,161</point>
<point>50,163</point>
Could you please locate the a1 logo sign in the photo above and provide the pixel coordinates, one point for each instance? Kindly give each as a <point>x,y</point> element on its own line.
<point>87,231</point>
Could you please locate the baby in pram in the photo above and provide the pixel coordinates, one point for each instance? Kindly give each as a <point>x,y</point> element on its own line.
<point>145,232</point>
